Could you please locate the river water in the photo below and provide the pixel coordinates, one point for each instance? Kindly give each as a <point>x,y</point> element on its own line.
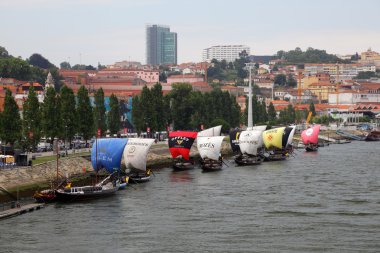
<point>327,201</point>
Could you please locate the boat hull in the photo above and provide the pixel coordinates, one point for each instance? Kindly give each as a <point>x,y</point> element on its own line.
<point>312,148</point>
<point>248,160</point>
<point>181,166</point>
<point>139,179</point>
<point>211,165</point>
<point>63,196</point>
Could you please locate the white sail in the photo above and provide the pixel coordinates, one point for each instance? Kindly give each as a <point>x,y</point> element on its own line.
<point>290,139</point>
<point>213,131</point>
<point>260,128</point>
<point>250,141</point>
<point>135,153</point>
<point>209,147</point>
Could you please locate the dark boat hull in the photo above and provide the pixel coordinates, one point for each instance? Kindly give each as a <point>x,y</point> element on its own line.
<point>248,160</point>
<point>311,149</point>
<point>181,166</point>
<point>72,197</point>
<point>211,165</point>
<point>138,179</point>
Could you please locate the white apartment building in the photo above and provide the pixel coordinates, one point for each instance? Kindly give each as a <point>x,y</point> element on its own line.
<point>224,52</point>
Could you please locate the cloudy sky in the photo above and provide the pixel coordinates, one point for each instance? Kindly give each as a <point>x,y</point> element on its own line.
<point>105,31</point>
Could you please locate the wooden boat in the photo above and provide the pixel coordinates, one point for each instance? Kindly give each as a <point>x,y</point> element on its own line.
<point>105,155</point>
<point>180,143</point>
<point>106,187</point>
<point>310,138</point>
<point>249,143</point>
<point>209,150</point>
<point>135,156</point>
<point>278,143</point>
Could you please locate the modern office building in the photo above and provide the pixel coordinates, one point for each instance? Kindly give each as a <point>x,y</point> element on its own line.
<point>161,45</point>
<point>226,52</point>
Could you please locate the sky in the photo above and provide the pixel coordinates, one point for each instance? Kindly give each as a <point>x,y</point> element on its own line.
<point>107,31</point>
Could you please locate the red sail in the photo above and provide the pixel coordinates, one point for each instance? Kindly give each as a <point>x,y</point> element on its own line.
<point>310,135</point>
<point>180,143</point>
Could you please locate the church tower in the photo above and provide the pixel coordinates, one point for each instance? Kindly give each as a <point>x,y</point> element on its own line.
<point>49,81</point>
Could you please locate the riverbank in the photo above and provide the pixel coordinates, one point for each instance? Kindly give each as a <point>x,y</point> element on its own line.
<point>26,180</point>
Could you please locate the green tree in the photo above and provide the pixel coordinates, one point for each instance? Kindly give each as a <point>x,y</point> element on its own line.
<point>31,120</point>
<point>113,116</point>
<point>15,68</point>
<point>11,127</point>
<point>85,122</point>
<point>50,114</point>
<point>68,114</point>
<point>280,79</point>
<point>148,111</point>
<point>365,75</point>
<point>100,112</point>
<point>3,53</point>
<point>65,65</point>
<point>137,117</point>
<point>271,113</point>
<point>225,126</point>
<point>291,81</point>
<point>159,107</point>
<point>181,107</point>
<point>40,61</point>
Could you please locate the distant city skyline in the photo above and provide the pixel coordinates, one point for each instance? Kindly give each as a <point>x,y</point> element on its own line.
<point>107,31</point>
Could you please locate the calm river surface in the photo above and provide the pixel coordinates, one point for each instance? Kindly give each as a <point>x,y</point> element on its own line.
<point>316,202</point>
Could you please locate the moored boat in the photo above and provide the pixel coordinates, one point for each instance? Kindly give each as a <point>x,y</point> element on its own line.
<point>180,143</point>
<point>105,155</point>
<point>135,156</point>
<point>249,143</point>
<point>106,187</point>
<point>310,138</point>
<point>209,150</point>
<point>278,143</point>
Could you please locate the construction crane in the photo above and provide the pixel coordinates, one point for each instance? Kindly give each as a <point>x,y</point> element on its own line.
<point>309,117</point>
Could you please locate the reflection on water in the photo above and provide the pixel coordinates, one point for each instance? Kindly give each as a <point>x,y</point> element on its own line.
<point>327,201</point>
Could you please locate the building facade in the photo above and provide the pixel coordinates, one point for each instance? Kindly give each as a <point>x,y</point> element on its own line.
<point>225,52</point>
<point>161,45</point>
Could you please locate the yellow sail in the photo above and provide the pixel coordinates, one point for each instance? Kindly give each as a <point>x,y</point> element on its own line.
<point>273,137</point>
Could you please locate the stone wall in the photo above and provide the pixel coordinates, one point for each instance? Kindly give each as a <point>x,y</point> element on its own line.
<point>45,172</point>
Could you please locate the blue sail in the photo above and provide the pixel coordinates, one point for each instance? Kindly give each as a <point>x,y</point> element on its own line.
<point>109,153</point>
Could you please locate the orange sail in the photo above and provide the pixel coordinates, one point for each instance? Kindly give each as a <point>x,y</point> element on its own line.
<point>310,135</point>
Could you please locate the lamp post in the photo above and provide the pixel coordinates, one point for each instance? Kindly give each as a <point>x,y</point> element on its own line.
<point>249,66</point>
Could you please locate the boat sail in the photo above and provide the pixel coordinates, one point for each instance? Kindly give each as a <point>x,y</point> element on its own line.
<point>135,156</point>
<point>105,155</point>
<point>310,138</point>
<point>249,143</point>
<point>213,131</point>
<point>209,150</point>
<point>234,140</point>
<point>278,142</point>
<point>180,143</point>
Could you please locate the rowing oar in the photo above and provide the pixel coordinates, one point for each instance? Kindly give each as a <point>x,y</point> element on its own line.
<point>225,163</point>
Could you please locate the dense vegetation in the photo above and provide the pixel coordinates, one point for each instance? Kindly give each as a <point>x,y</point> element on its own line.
<point>62,115</point>
<point>229,71</point>
<point>33,69</point>
<point>184,108</point>
<point>311,55</point>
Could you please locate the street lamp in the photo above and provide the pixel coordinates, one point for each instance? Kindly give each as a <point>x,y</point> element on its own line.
<point>249,66</point>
